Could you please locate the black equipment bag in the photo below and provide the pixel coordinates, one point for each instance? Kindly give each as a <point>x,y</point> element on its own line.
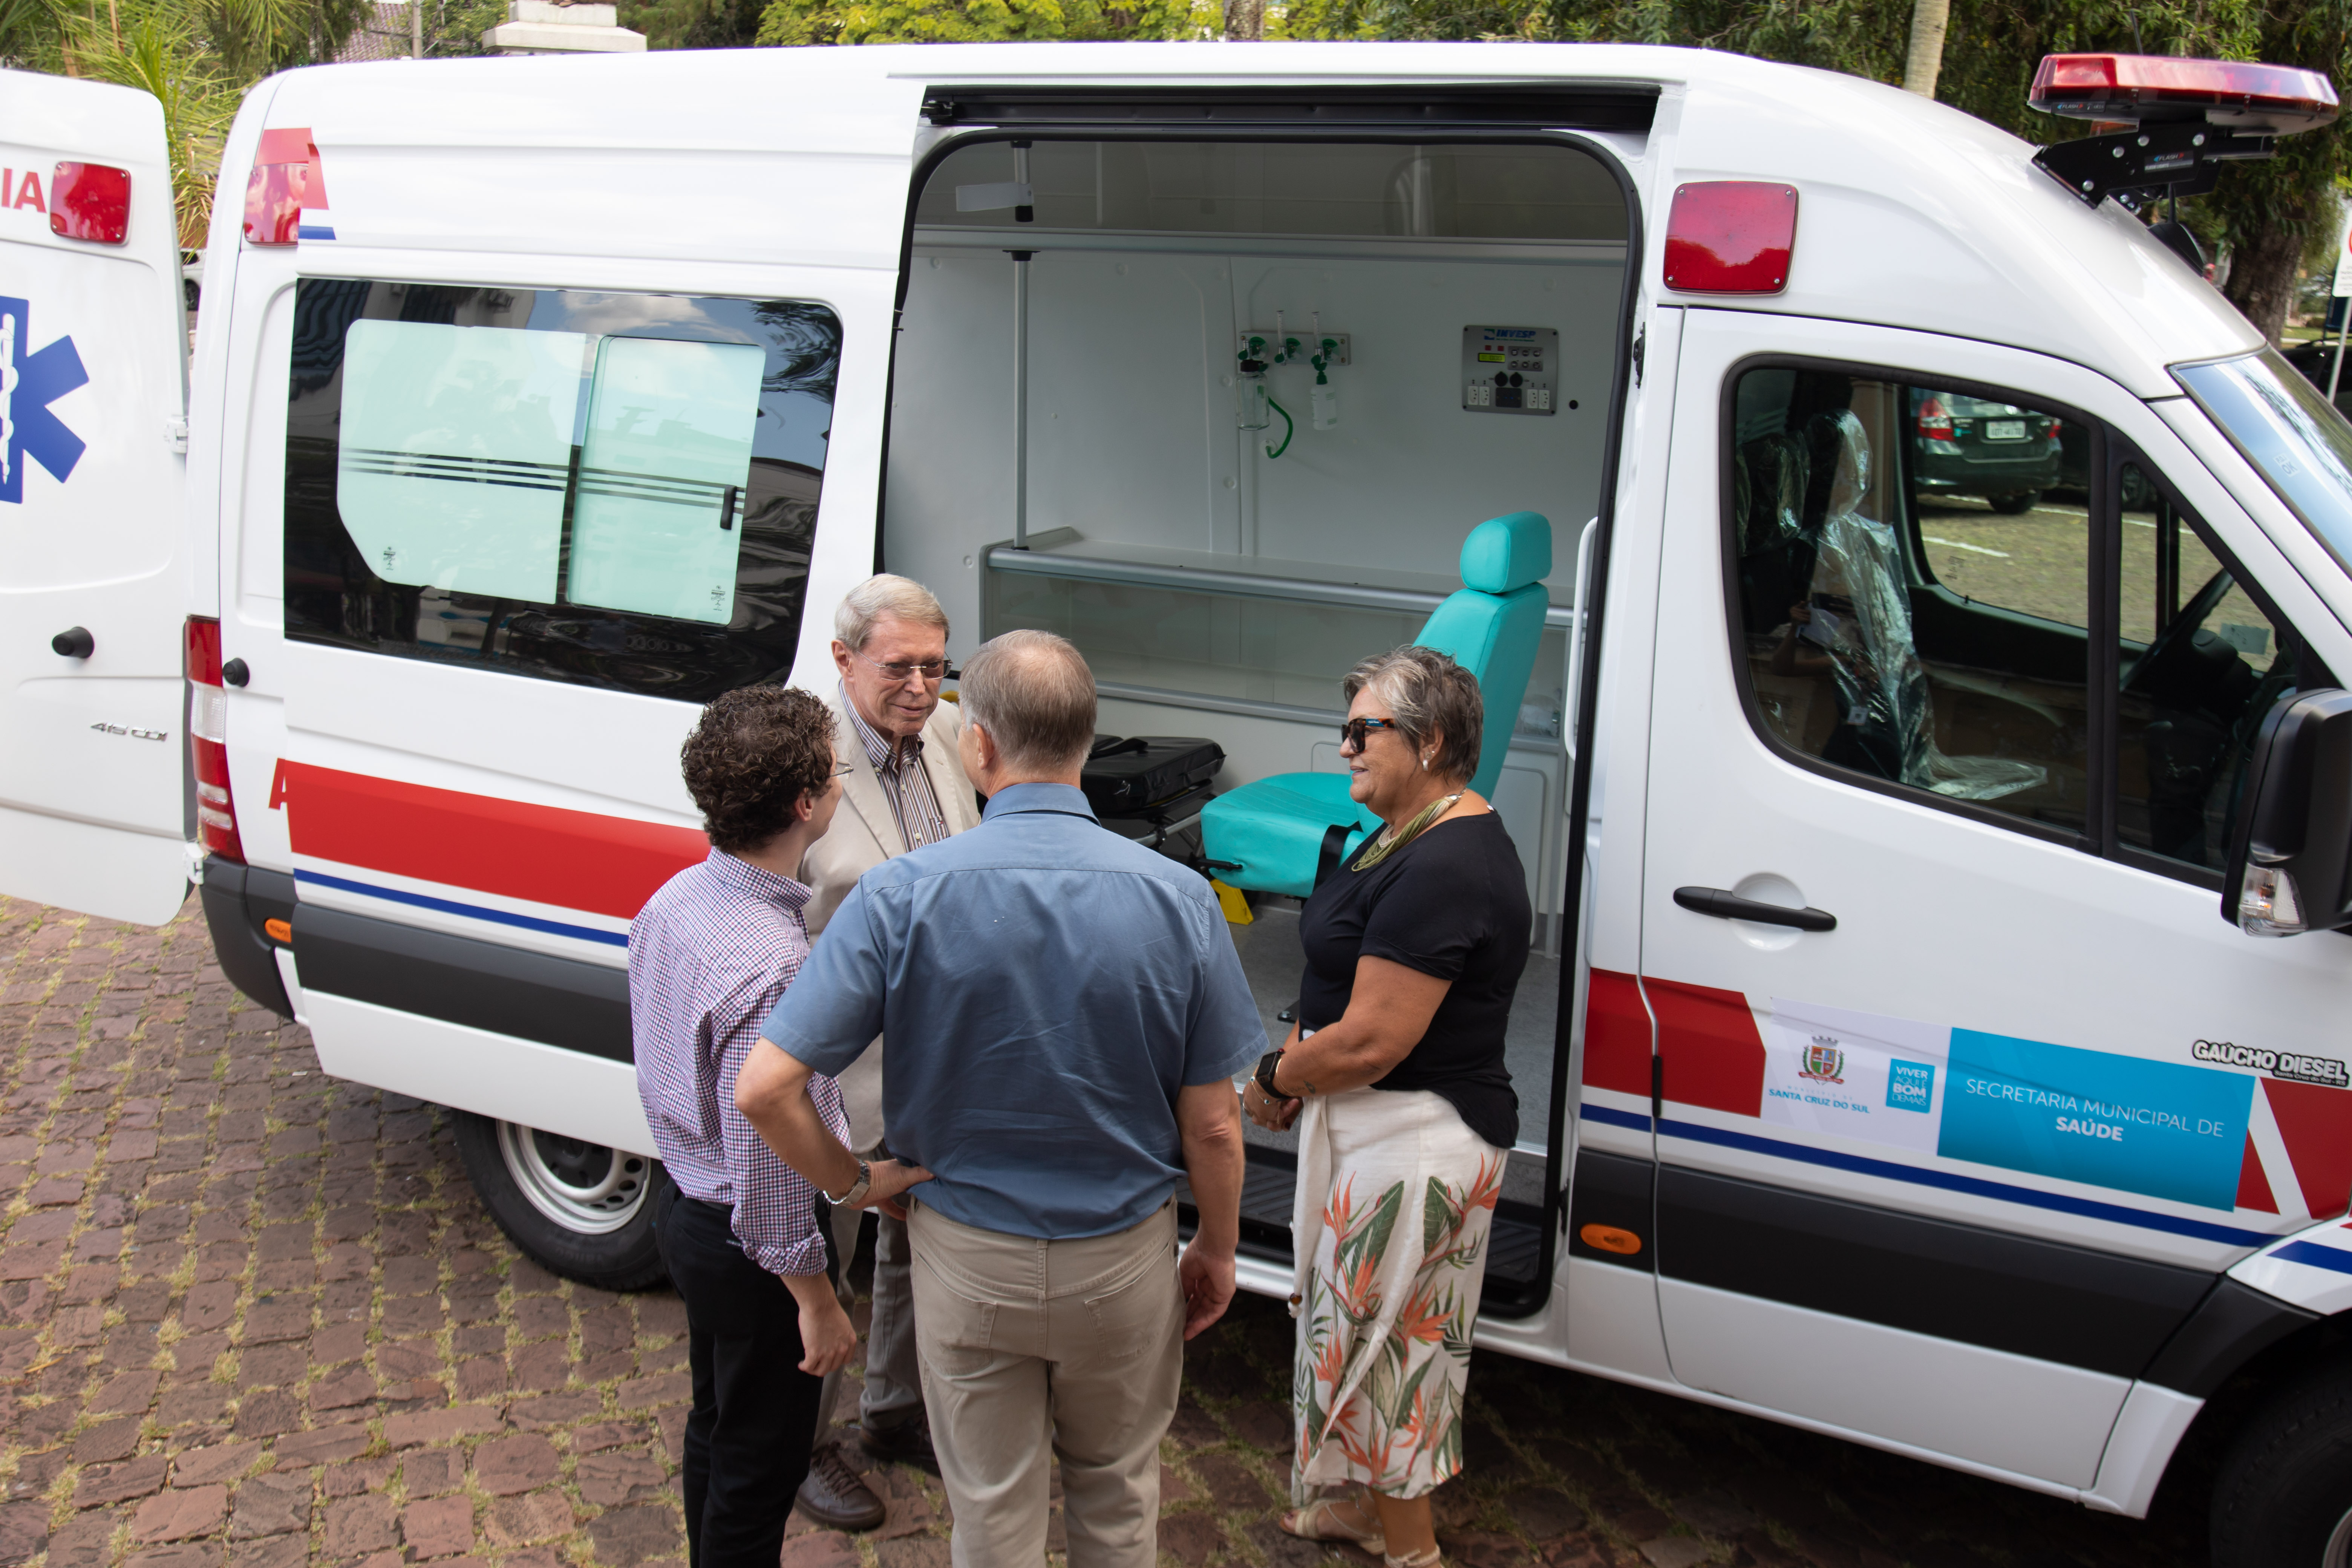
<point>1123,777</point>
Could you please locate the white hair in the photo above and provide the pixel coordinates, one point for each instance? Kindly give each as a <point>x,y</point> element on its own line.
<point>880,595</point>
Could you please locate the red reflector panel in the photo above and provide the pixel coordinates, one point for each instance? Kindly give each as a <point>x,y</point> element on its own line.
<point>207,742</point>
<point>90,201</point>
<point>273,203</point>
<point>2142,88</point>
<point>1732,237</point>
<point>284,180</point>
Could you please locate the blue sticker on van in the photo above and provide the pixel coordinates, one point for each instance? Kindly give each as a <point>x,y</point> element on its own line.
<point>1911,1086</point>
<point>2162,1129</point>
<point>29,383</point>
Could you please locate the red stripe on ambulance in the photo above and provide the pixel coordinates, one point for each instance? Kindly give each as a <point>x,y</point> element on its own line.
<point>576,860</point>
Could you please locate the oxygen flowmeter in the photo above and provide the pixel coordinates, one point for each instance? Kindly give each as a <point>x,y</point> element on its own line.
<point>1259,352</point>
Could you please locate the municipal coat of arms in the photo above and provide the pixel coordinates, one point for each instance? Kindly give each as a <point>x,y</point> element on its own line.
<point>1825,1063</point>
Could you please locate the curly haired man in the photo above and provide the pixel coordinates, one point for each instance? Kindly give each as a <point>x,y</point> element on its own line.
<point>710,957</point>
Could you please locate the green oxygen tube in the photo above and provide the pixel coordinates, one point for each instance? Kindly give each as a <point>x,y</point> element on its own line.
<point>1288,430</point>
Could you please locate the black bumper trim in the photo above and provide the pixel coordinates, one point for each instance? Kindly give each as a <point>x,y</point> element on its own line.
<point>2232,1325</point>
<point>507,989</point>
<point>236,900</point>
<point>2046,1299</point>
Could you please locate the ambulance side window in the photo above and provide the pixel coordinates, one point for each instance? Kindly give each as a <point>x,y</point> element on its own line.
<point>1910,602</point>
<point>2203,660</point>
<point>609,490</point>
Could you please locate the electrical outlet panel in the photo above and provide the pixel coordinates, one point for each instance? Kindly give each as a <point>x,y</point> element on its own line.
<point>1510,370</point>
<point>1270,346</point>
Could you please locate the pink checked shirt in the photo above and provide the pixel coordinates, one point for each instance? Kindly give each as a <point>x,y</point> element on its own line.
<point>709,955</point>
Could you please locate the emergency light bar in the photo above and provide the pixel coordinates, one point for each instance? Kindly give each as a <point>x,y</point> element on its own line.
<point>2144,89</point>
<point>2182,120</point>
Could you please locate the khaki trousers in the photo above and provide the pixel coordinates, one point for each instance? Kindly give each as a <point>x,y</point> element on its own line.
<point>1039,1350</point>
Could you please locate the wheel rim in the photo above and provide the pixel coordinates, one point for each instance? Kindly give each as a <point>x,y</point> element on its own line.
<point>2339,1545</point>
<point>581,1186</point>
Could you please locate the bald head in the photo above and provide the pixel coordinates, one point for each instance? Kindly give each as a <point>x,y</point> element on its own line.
<point>1034,694</point>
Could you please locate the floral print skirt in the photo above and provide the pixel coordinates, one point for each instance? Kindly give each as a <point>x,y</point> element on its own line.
<point>1395,1199</point>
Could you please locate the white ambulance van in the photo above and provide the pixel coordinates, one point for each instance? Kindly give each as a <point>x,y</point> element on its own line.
<point>1915,597</point>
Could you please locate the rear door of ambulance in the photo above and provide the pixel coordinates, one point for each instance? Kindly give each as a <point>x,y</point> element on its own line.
<point>92,568</point>
<point>514,486</point>
<point>1942,1161</point>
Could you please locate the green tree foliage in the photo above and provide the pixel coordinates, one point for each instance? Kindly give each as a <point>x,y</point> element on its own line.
<point>980,21</point>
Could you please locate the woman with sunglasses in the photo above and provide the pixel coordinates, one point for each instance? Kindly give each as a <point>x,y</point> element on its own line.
<point>1394,1077</point>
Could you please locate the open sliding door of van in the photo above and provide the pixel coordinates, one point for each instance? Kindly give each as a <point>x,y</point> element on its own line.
<point>91,573</point>
<point>1216,382</point>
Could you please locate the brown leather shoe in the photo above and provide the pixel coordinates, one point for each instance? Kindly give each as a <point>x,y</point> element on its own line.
<point>836,1496</point>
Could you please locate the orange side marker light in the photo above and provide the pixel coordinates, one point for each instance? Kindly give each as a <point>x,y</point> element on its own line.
<point>1610,1239</point>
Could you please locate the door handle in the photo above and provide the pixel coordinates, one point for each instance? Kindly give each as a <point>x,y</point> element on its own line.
<point>74,642</point>
<point>1732,907</point>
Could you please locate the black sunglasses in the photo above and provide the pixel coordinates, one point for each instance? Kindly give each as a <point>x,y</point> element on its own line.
<point>1354,731</point>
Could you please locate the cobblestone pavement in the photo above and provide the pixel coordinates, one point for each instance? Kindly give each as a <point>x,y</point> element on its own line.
<point>252,1317</point>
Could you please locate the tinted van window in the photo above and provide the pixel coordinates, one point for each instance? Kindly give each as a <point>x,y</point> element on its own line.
<point>1910,606</point>
<point>611,490</point>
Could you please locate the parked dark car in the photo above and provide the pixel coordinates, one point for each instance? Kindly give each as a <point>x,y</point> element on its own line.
<point>2316,361</point>
<point>1968,446</point>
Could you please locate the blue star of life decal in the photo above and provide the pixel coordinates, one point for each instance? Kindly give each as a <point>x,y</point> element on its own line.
<point>29,383</point>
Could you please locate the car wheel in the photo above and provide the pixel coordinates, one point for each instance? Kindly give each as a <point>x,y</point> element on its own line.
<point>2284,1499</point>
<point>2014,504</point>
<point>582,1210</point>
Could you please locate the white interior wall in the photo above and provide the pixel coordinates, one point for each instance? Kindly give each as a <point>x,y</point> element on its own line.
<point>1132,439</point>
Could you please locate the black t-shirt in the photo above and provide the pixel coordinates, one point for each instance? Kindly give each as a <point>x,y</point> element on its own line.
<point>1452,903</point>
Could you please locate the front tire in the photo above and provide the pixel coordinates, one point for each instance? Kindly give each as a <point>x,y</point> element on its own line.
<point>582,1210</point>
<point>2015,504</point>
<point>2284,1499</point>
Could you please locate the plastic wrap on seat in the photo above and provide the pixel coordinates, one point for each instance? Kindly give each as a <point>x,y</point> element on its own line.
<point>1859,615</point>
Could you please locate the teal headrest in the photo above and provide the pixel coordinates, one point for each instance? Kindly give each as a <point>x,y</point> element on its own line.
<point>1507,552</point>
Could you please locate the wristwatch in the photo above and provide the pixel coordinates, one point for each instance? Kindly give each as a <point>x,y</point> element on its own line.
<point>1267,1065</point>
<point>857,1188</point>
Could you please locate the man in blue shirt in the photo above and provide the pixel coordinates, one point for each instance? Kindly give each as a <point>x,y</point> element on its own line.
<point>1066,1014</point>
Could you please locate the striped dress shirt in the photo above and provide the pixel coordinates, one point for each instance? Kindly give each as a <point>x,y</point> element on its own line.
<point>905,785</point>
<point>709,956</point>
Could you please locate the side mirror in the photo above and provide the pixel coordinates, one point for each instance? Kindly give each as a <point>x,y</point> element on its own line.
<point>2291,862</point>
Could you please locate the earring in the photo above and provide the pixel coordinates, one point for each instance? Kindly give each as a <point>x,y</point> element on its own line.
<point>1424,762</point>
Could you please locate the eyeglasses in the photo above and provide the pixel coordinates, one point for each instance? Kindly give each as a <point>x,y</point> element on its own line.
<point>1354,731</point>
<point>842,770</point>
<point>898,674</point>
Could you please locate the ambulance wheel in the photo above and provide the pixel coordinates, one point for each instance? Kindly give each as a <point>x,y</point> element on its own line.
<point>2285,1496</point>
<point>2015,504</point>
<point>582,1210</point>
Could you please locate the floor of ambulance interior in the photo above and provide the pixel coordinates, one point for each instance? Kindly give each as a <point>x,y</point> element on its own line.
<point>1272,959</point>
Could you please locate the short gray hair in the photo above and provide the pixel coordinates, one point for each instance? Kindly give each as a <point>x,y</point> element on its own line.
<point>880,595</point>
<point>1034,694</point>
<point>1428,694</point>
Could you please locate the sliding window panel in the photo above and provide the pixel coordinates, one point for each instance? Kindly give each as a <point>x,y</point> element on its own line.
<point>456,443</point>
<point>663,473</point>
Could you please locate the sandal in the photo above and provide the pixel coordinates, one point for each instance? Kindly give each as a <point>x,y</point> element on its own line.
<point>1429,1558</point>
<point>1321,1521</point>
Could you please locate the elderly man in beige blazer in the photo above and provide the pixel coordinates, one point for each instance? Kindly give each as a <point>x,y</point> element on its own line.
<point>905,788</point>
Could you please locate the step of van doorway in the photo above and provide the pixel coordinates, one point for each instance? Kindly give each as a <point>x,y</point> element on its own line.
<point>1514,1287</point>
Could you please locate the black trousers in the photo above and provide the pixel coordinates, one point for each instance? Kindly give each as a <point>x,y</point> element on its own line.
<point>754,1418</point>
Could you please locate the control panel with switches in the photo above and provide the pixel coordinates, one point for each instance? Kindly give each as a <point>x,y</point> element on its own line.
<point>1510,370</point>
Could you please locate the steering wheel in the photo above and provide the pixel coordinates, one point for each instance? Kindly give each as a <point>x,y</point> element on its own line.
<point>2184,626</point>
